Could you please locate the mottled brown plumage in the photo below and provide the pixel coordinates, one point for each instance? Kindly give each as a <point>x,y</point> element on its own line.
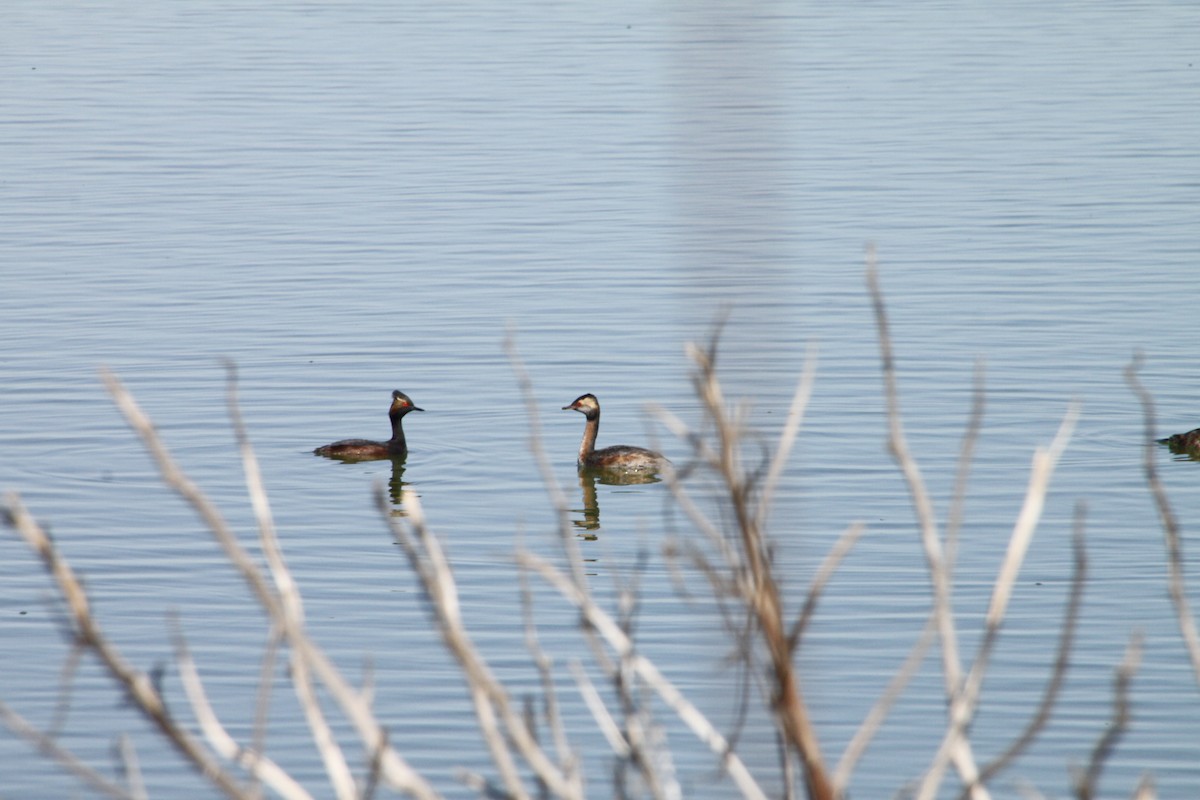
<point>369,450</point>
<point>617,458</point>
<point>1182,441</point>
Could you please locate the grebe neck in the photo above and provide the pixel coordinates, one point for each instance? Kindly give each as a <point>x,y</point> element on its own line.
<point>397,441</point>
<point>589,436</point>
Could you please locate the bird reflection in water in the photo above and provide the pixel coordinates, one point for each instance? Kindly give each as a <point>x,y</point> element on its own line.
<point>396,482</point>
<point>589,521</point>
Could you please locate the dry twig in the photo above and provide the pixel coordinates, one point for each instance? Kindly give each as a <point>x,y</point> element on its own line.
<point>499,720</point>
<point>1172,535</point>
<point>616,638</point>
<point>1058,672</point>
<point>279,598</point>
<point>52,750</point>
<point>138,685</point>
<point>1086,779</point>
<point>937,564</point>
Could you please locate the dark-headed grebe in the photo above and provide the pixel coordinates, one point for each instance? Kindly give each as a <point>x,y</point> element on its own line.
<point>1182,441</point>
<point>365,449</point>
<point>618,458</point>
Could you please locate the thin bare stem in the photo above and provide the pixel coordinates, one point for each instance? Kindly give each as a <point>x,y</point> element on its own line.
<point>398,774</point>
<point>747,553</point>
<point>175,478</point>
<point>545,667</point>
<point>922,504</point>
<point>964,701</point>
<point>1145,789</point>
<point>266,678</point>
<point>604,720</point>
<point>966,459</point>
<point>829,565</point>
<point>48,747</point>
<point>66,682</point>
<point>1058,672</point>
<point>1172,533</point>
<point>258,765</point>
<point>131,767</point>
<point>1027,522</point>
<point>139,686</point>
<point>1087,780</point>
<point>931,543</point>
<point>429,562</point>
<point>291,605</point>
<point>787,437</point>
<point>558,497</point>
<point>611,632</point>
<point>873,722</point>
<point>500,721</point>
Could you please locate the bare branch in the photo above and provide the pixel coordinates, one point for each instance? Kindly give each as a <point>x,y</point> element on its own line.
<point>545,667</point>
<point>175,478</point>
<point>604,720</point>
<point>922,504</point>
<point>833,559</point>
<point>939,573</point>
<point>131,767</point>
<point>492,704</point>
<point>1172,533</point>
<point>291,605</point>
<point>872,723</point>
<point>557,497</point>
<point>395,770</point>
<point>966,458</point>
<point>734,553</point>
<point>964,701</point>
<point>751,564</point>
<point>1086,780</point>
<point>607,628</point>
<point>66,683</point>
<point>791,429</point>
<point>1145,789</point>
<point>138,685</point>
<point>1058,672</point>
<point>1044,462</point>
<point>254,762</point>
<point>48,747</point>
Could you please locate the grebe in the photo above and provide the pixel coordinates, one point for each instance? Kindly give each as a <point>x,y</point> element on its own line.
<point>618,458</point>
<point>365,449</point>
<point>1182,441</point>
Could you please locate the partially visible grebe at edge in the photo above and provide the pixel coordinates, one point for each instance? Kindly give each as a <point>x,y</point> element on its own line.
<point>1182,442</point>
<point>616,458</point>
<point>366,449</point>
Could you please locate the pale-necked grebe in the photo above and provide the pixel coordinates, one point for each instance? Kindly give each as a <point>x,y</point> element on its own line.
<point>364,449</point>
<point>617,458</point>
<point>1182,441</point>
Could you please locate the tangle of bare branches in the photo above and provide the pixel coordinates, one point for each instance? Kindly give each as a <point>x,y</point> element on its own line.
<point>732,548</point>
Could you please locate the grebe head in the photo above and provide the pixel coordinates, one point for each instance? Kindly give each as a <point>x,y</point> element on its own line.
<point>401,404</point>
<point>585,404</point>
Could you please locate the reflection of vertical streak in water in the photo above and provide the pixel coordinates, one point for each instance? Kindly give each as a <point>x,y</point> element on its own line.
<point>736,184</point>
<point>590,522</point>
<point>588,478</point>
<point>396,484</point>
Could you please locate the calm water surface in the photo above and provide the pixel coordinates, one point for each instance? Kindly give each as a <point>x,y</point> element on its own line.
<point>353,199</point>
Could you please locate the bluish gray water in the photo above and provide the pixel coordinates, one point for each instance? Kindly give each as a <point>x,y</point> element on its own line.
<point>345,200</point>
